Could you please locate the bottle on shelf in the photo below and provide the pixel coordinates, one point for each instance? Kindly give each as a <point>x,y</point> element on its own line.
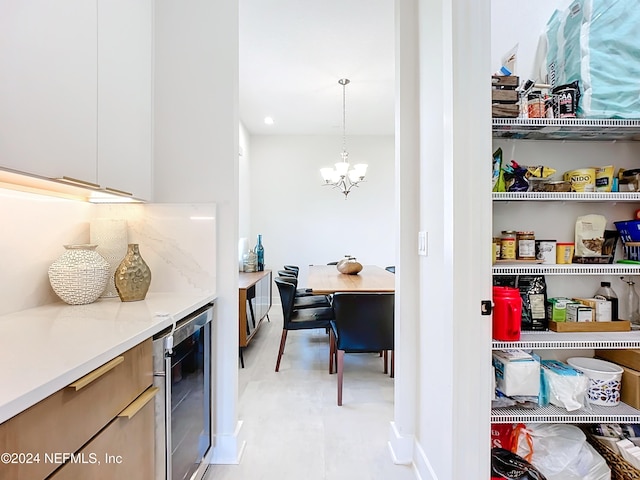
<point>632,303</point>
<point>259,254</point>
<point>249,261</point>
<point>606,293</point>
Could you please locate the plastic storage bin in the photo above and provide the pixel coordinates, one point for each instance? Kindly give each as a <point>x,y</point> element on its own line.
<point>604,379</point>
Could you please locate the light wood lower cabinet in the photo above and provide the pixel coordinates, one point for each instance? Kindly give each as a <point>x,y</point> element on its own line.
<point>62,423</point>
<point>121,450</point>
<point>255,301</point>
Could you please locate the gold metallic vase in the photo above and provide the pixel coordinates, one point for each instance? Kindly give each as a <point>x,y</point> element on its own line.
<point>132,277</point>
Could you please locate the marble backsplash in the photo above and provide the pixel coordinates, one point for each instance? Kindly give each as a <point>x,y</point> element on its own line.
<point>178,242</point>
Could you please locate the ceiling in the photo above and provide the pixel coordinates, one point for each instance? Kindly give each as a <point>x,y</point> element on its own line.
<point>292,54</point>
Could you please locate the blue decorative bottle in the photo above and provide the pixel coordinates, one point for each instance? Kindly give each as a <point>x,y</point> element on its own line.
<point>260,254</point>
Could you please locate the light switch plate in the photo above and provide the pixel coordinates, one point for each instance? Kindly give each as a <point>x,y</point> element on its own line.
<point>422,243</point>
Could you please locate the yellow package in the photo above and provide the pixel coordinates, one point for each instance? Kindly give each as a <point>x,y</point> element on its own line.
<point>604,178</point>
<point>541,171</point>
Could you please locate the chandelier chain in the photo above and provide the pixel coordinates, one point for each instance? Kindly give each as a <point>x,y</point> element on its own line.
<point>344,82</point>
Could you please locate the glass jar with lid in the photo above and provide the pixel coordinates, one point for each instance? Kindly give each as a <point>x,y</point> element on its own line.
<point>526,245</point>
<point>508,245</point>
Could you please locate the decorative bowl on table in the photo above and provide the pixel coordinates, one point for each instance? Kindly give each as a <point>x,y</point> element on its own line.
<point>349,266</point>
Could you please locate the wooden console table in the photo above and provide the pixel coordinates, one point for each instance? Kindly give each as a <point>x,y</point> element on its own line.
<point>254,305</point>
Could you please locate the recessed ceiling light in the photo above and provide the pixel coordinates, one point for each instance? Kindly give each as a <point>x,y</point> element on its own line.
<point>268,120</point>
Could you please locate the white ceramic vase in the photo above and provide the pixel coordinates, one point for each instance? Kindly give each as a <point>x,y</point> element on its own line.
<point>110,235</point>
<point>79,275</point>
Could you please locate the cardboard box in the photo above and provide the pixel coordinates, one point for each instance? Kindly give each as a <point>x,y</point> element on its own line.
<point>601,308</point>
<point>517,372</point>
<point>578,312</point>
<point>630,387</point>
<point>557,308</point>
<point>628,357</point>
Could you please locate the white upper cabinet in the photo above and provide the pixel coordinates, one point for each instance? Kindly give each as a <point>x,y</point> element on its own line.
<point>48,88</point>
<point>125,39</point>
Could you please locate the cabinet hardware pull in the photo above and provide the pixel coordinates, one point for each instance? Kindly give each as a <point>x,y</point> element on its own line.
<point>97,373</point>
<point>137,405</point>
<point>121,192</point>
<point>83,183</point>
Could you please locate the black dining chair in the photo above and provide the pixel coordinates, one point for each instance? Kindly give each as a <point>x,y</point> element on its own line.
<point>298,319</point>
<point>363,324</point>
<point>289,272</point>
<point>306,301</point>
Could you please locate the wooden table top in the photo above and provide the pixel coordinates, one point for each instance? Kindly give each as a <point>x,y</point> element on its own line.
<point>326,279</point>
<point>247,279</point>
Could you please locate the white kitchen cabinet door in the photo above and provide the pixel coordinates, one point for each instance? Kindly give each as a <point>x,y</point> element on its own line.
<point>48,62</point>
<point>125,38</point>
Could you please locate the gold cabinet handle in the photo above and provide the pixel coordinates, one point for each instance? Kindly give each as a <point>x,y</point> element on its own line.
<point>82,183</point>
<point>97,373</point>
<point>137,405</point>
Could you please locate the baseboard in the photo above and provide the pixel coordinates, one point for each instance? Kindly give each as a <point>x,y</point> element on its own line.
<point>401,446</point>
<point>422,465</point>
<point>228,449</point>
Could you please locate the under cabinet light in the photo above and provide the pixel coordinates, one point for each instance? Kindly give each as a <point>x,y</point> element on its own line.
<point>65,187</point>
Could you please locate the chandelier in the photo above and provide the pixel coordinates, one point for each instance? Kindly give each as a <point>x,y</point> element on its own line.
<point>343,176</point>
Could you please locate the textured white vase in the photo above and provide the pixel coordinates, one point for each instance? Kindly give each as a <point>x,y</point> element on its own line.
<point>79,275</point>
<point>111,238</point>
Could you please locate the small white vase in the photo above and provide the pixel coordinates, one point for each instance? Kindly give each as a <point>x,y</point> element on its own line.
<point>110,235</point>
<point>79,275</point>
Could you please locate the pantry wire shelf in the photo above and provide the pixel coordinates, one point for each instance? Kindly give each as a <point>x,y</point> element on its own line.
<point>567,196</point>
<point>549,340</point>
<point>566,129</point>
<point>621,413</point>
<point>567,269</point>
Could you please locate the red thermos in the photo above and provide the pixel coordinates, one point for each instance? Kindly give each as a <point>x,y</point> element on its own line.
<point>507,314</point>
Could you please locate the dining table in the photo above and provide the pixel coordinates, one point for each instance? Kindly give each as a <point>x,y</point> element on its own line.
<point>326,279</point>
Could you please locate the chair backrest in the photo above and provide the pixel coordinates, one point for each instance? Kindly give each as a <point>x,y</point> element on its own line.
<point>293,268</point>
<point>287,289</point>
<point>364,321</point>
<point>287,273</point>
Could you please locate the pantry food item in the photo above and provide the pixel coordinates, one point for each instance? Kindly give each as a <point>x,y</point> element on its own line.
<point>581,179</point>
<point>496,248</point>
<point>604,178</point>
<point>564,252</point>
<point>600,306</point>
<point>629,180</point>
<point>526,245</point>
<point>508,245</point>
<point>546,251</point>
<point>589,235</point>
<point>557,308</point>
<point>556,186</point>
<point>578,312</point>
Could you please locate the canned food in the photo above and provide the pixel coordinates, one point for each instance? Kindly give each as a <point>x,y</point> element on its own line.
<point>582,179</point>
<point>526,246</point>
<point>508,245</point>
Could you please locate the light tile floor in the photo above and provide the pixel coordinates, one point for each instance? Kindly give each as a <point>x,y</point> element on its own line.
<point>292,424</point>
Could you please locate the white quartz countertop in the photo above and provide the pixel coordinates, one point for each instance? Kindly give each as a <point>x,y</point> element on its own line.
<point>46,348</point>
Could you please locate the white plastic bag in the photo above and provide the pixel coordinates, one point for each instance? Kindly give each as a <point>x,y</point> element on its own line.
<point>561,452</point>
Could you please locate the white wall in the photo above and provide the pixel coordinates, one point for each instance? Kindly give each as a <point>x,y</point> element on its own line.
<point>244,178</point>
<point>36,228</point>
<point>304,222</point>
<point>196,160</point>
